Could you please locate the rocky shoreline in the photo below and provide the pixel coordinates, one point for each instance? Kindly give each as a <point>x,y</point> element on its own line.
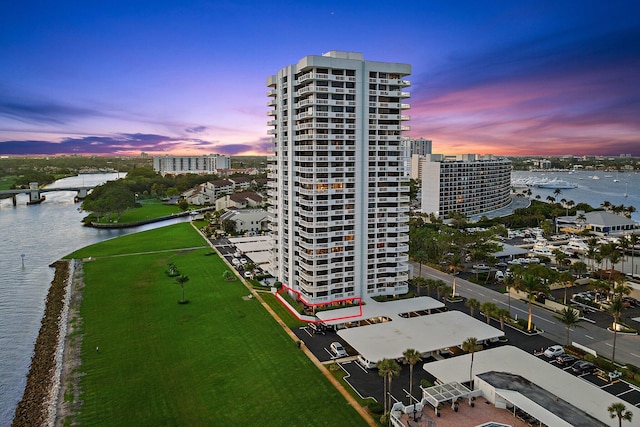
<point>37,406</point>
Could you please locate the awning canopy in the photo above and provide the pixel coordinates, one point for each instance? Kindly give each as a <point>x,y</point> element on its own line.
<point>532,408</point>
<point>444,393</point>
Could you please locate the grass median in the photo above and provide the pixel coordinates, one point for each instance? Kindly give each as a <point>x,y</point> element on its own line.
<point>218,360</point>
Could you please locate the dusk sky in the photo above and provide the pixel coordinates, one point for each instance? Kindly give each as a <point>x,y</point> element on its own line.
<point>189,77</point>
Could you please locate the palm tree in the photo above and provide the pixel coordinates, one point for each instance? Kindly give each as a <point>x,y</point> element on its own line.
<point>419,282</point>
<point>605,251</point>
<point>509,282</point>
<point>388,368</point>
<point>557,192</point>
<point>442,289</point>
<point>420,257</point>
<point>623,246</point>
<point>488,308</point>
<point>567,280</point>
<point>633,241</point>
<point>569,318</point>
<point>614,257</point>
<point>473,305</point>
<point>181,280</point>
<point>455,265</point>
<point>432,285</point>
<point>470,345</point>
<point>615,309</point>
<point>502,314</point>
<point>532,286</point>
<point>411,357</point>
<point>579,268</point>
<point>592,244</point>
<point>620,411</point>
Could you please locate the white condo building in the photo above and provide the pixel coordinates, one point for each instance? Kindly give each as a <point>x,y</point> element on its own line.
<point>467,184</point>
<point>338,190</point>
<point>177,165</point>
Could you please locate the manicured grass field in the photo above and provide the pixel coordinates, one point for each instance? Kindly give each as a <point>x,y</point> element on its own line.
<point>7,181</point>
<point>147,210</point>
<point>219,360</point>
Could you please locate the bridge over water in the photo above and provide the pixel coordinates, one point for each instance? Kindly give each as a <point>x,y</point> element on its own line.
<point>35,193</point>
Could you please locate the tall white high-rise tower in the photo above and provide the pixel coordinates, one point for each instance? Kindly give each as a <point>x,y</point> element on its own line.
<point>339,194</point>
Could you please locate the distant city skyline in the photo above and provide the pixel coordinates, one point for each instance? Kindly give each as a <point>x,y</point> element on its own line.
<point>188,78</point>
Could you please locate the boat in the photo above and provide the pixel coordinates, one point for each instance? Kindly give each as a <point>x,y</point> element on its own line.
<point>556,184</point>
<point>541,247</point>
<point>576,246</point>
<point>595,177</point>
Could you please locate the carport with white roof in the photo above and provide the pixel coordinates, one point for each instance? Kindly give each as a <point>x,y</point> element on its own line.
<point>373,310</point>
<point>426,334</point>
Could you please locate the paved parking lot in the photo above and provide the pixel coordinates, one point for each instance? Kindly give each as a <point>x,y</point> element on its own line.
<point>621,389</point>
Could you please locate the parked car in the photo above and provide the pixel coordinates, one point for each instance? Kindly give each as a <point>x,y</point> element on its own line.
<point>481,267</point>
<point>583,367</point>
<point>248,274</point>
<point>499,275</point>
<point>338,349</point>
<point>317,328</point>
<point>553,351</point>
<point>566,359</point>
<point>366,363</point>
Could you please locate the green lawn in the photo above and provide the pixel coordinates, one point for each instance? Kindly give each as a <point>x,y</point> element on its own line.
<point>7,181</point>
<point>218,360</point>
<point>147,210</point>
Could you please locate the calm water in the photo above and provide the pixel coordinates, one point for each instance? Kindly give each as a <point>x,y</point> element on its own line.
<point>592,191</point>
<point>43,233</point>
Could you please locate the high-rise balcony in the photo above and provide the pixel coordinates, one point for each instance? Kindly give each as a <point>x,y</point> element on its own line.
<point>313,235</point>
<point>314,223</point>
<point>272,103</point>
<point>271,113</point>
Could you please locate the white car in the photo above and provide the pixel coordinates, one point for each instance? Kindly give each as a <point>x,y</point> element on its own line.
<point>338,349</point>
<point>248,274</point>
<point>243,261</point>
<point>553,351</point>
<point>481,267</point>
<point>366,363</point>
<point>235,261</point>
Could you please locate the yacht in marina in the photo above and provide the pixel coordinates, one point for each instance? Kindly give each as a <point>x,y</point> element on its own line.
<point>575,246</point>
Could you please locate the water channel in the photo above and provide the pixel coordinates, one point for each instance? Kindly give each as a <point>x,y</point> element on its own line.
<point>31,238</point>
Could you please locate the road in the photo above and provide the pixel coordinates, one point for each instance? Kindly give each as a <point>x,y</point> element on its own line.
<point>587,334</point>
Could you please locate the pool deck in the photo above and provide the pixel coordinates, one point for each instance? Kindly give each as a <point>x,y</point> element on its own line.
<point>483,412</point>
